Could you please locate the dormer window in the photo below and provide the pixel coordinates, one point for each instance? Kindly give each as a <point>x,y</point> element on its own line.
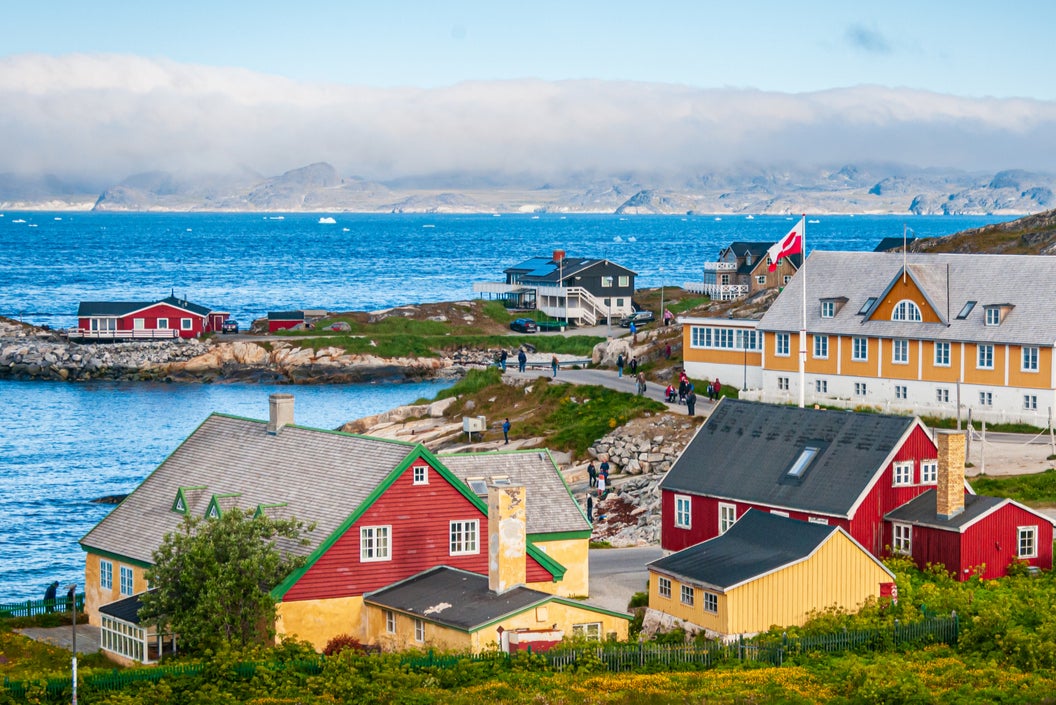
<point>906,310</point>
<point>828,309</point>
<point>995,314</point>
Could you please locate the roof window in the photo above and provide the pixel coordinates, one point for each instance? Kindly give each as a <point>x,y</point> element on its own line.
<point>967,309</point>
<point>867,305</point>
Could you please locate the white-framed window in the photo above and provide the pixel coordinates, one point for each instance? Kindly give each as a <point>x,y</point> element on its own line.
<point>687,596</point>
<point>390,622</point>
<point>1027,542</point>
<point>985,360</point>
<point>929,472</point>
<point>906,310</point>
<point>711,602</point>
<point>374,543</point>
<point>625,280</point>
<point>1030,359</point>
<point>903,473</point>
<point>902,539</point>
<point>821,386</point>
<point>106,575</point>
<point>901,391</point>
<point>760,280</point>
<point>606,282</point>
<point>102,324</point>
<point>464,537</point>
<point>590,631</point>
<point>683,517</point>
<point>900,351</point>
<point>127,579</point>
<point>942,395</point>
<point>727,516</point>
<point>828,309</point>
<point>860,349</point>
<point>781,344</point>
<point>821,346</point>
<point>421,475</point>
<point>782,384</point>
<point>139,324</point>
<point>663,587</point>
<point>419,630</point>
<point>1030,402</point>
<point>186,324</point>
<point>859,389</point>
<point>619,302</point>
<point>993,316</point>
<point>942,354</point>
<point>986,398</point>
<point>163,323</point>
<point>817,520</point>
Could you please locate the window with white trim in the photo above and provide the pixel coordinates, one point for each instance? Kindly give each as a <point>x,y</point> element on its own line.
<point>374,543</point>
<point>186,323</point>
<point>986,398</point>
<point>929,472</point>
<point>942,395</point>
<point>781,344</point>
<point>683,517</point>
<point>421,475</point>
<point>711,602</point>
<point>993,316</point>
<point>821,386</point>
<point>901,391</point>
<point>860,349</point>
<point>902,539</point>
<point>606,282</point>
<point>1030,402</point>
<point>985,359</point>
<point>663,587</point>
<point>590,631</point>
<point>390,622</point>
<point>727,516</point>
<point>419,630</point>
<point>106,575</point>
<point>1030,359</point>
<point>761,280</point>
<point>859,389</point>
<point>1027,542</point>
<point>906,310</point>
<point>464,538</point>
<point>903,473</point>
<point>687,596</point>
<point>782,384</point>
<point>624,280</point>
<point>821,346</point>
<point>163,323</point>
<point>942,354</point>
<point>127,580</point>
<point>900,351</point>
<point>828,309</point>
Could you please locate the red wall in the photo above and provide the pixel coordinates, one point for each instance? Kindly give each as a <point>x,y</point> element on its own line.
<point>419,516</point>
<point>282,325</point>
<point>150,316</point>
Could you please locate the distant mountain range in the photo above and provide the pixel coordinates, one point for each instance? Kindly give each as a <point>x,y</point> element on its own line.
<point>872,188</point>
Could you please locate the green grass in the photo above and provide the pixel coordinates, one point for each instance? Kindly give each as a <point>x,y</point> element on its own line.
<point>935,422</point>
<point>1036,489</point>
<point>416,344</point>
<point>582,414</point>
<point>472,383</point>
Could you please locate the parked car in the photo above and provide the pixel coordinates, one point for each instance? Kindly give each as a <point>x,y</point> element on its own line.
<point>524,325</point>
<point>229,326</point>
<point>638,318</point>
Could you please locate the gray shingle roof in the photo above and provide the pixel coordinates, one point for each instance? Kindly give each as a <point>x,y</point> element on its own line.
<point>1028,282</point>
<point>322,476</point>
<point>550,506</point>
<point>758,543</point>
<point>745,450</point>
<point>454,598</point>
<point>921,511</point>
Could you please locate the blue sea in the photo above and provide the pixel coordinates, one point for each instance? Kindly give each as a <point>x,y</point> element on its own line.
<point>64,444</point>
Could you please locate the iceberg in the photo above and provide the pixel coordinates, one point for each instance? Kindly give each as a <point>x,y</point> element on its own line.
<point>327,220</point>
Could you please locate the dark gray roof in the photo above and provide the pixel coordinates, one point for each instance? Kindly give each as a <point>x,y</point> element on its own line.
<point>745,450</point>
<point>920,511</point>
<point>890,243</point>
<point>985,279</point>
<point>127,609</point>
<point>321,476</point>
<point>123,308</point>
<point>454,598</point>
<point>550,506</point>
<point>757,544</point>
<point>543,270</point>
<point>285,315</point>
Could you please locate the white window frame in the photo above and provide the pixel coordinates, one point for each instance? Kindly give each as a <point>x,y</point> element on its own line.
<point>1030,402</point>
<point>683,511</point>
<point>375,543</point>
<point>624,280</point>
<point>821,347</point>
<point>906,310</point>
<point>901,391</point>
<point>419,630</point>
<point>106,574</point>
<point>986,398</point>
<point>993,316</point>
<point>860,349</point>
<point>860,389</point>
<point>902,473</point>
<point>588,630</point>
<point>663,587</point>
<point>464,537</point>
<point>421,475</point>
<point>942,354</point>
<point>687,595</point>
<point>139,324</point>
<point>984,359</point>
<point>782,345</point>
<point>1029,359</point>
<point>710,602</point>
<point>900,351</point>
<point>128,580</point>
<point>821,386</point>
<point>782,384</point>
<point>760,279</point>
<point>828,309</point>
<point>902,539</point>
<point>390,622</point>
<point>1026,541</point>
<point>727,516</point>
<point>929,472</point>
<point>606,282</point>
<point>942,395</point>
<point>161,324</point>
<point>186,324</point>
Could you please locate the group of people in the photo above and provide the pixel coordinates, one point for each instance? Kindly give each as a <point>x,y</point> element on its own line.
<point>621,363</point>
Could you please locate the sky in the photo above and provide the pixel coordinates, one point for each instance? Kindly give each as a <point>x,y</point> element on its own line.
<point>119,86</point>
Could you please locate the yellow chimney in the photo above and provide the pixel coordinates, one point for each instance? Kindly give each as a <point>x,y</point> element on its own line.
<point>949,493</point>
<point>507,538</point>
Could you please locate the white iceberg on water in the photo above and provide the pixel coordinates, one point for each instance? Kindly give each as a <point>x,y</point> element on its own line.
<point>326,220</point>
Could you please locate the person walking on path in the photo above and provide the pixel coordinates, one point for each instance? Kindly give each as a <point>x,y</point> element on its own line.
<point>603,469</point>
<point>691,401</point>
<point>522,360</point>
<point>619,365</point>
<point>634,334</point>
<point>716,389</point>
<point>634,365</point>
<point>502,359</point>
<point>554,364</point>
<point>641,383</point>
<point>590,509</point>
<point>506,430</point>
<point>592,475</point>
<point>601,486</point>
<point>667,317</point>
<point>683,388</point>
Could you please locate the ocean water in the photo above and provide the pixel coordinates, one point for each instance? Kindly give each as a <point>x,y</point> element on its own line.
<point>64,444</point>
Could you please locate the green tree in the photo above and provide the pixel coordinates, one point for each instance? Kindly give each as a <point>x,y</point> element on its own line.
<point>212,578</point>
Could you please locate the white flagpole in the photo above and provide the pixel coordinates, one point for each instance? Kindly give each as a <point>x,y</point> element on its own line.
<point>803,330</point>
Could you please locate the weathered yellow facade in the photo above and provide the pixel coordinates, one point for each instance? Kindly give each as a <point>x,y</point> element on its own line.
<point>95,595</point>
<point>840,573</point>
<point>571,553</point>
<point>319,621</point>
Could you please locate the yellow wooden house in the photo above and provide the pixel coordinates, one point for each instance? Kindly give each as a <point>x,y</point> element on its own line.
<point>765,570</point>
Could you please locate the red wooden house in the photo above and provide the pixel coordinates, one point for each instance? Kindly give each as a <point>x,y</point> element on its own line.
<point>284,320</point>
<point>172,317</point>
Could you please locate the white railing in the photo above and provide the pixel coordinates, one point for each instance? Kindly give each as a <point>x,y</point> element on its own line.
<point>161,333</point>
<point>495,288</point>
<point>720,266</point>
<point>564,302</point>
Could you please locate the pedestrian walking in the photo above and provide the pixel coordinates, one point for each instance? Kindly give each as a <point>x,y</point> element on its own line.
<point>522,360</point>
<point>603,469</point>
<point>502,359</point>
<point>601,486</point>
<point>634,365</point>
<point>592,474</point>
<point>619,365</point>
<point>554,364</point>
<point>667,351</point>
<point>716,388</point>
<point>683,389</point>
<point>506,430</point>
<point>590,508</point>
<point>641,383</point>
<point>691,402</point>
<point>668,316</point>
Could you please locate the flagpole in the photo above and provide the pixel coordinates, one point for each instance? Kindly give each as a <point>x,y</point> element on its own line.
<point>803,330</point>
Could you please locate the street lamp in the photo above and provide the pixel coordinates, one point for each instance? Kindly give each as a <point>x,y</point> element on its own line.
<point>72,590</point>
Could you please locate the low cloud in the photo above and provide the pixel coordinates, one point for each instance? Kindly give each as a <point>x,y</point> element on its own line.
<point>111,116</point>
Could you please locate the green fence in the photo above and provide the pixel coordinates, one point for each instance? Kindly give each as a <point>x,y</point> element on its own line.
<point>31,608</point>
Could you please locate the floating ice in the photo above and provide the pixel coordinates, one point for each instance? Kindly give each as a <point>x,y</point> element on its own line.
<point>327,220</point>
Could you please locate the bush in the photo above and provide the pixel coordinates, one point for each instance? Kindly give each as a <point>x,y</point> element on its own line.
<point>344,642</point>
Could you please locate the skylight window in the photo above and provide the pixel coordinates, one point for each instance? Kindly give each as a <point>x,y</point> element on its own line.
<point>966,310</point>
<point>478,485</point>
<point>867,305</point>
<point>803,462</point>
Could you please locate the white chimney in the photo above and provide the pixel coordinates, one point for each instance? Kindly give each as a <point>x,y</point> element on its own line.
<point>281,412</point>
<point>507,538</point>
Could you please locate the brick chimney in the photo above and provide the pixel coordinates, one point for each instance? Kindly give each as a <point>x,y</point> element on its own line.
<point>281,412</point>
<point>507,538</point>
<point>949,493</point>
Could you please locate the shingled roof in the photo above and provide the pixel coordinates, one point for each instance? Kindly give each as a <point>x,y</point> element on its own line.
<point>745,451</point>
<point>921,511</point>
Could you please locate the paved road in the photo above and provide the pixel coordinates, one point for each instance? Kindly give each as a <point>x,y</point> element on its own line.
<point>617,573</point>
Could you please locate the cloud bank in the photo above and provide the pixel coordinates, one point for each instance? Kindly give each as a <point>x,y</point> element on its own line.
<point>109,116</point>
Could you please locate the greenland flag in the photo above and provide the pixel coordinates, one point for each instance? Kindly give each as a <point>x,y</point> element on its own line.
<point>791,244</point>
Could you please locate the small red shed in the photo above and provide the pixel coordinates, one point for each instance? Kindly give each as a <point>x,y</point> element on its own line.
<point>284,320</point>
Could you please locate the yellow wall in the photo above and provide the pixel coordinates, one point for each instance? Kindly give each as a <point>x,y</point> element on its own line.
<point>318,621</point>
<point>1042,379</point>
<point>815,364</point>
<point>95,595</point>
<point>695,614</point>
<point>789,363</point>
<point>904,290</point>
<point>995,376</point>
<point>573,554</point>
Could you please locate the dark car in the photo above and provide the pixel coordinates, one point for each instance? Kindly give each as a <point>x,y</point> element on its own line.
<point>524,325</point>
<point>638,318</point>
<point>229,326</point>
